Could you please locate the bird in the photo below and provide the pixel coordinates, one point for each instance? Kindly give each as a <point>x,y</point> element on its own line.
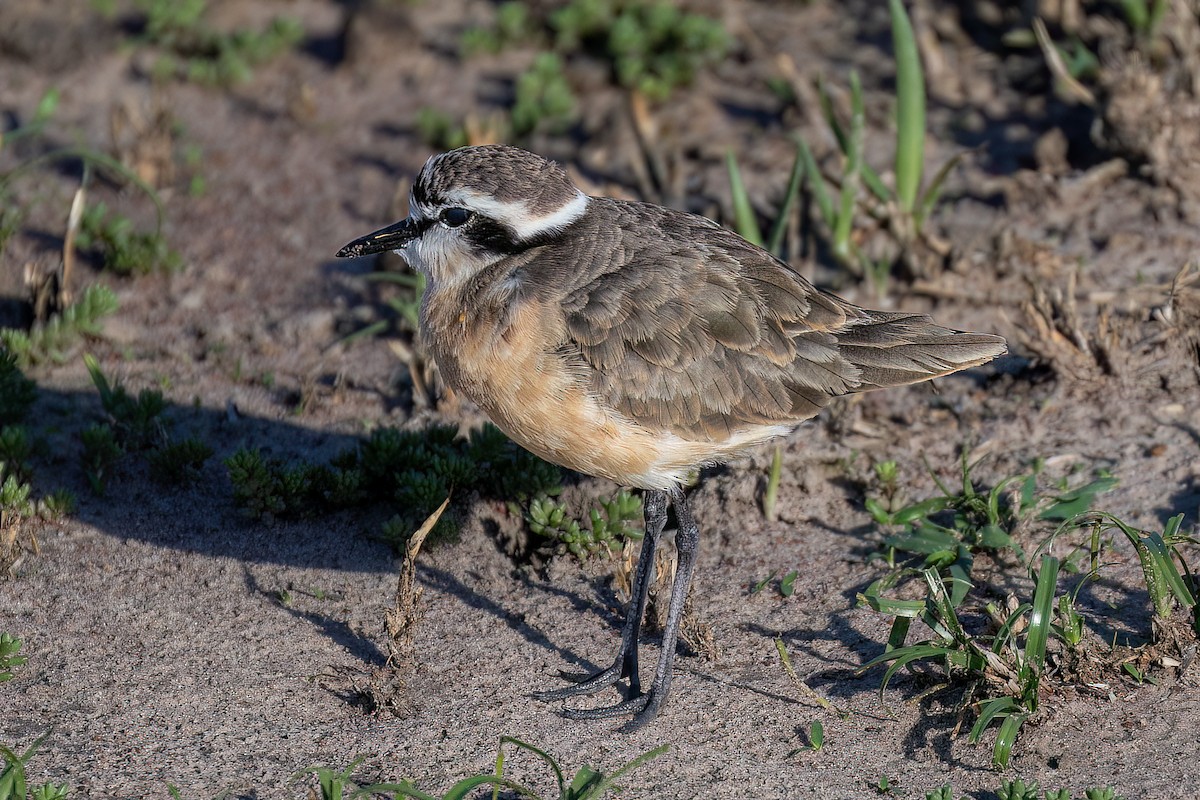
<point>637,343</point>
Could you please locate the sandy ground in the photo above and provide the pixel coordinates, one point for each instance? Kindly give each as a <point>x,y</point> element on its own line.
<point>160,648</point>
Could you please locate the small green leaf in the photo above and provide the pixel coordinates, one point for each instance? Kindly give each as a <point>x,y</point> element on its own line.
<point>1077,501</point>
<point>816,735</point>
<point>787,586</point>
<point>758,587</point>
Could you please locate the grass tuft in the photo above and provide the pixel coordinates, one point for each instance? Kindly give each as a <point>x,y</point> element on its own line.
<point>53,340</point>
<point>586,784</point>
<point>123,249</point>
<point>1008,655</point>
<point>194,51</point>
<point>418,469</point>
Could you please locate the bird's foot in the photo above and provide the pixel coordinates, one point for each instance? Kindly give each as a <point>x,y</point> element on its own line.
<point>584,684</point>
<point>643,706</point>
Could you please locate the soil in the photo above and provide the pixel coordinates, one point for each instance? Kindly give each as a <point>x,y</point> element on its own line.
<point>173,641</point>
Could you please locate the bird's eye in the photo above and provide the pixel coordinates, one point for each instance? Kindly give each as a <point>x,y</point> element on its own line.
<point>455,217</point>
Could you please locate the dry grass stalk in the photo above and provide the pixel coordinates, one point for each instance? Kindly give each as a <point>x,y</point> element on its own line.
<point>402,619</point>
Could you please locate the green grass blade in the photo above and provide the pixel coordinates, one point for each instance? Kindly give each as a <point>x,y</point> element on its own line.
<point>558,773</point>
<point>945,618</point>
<point>12,779</point>
<point>816,182</point>
<point>103,388</point>
<point>374,329</point>
<point>1005,631</point>
<point>915,511</point>
<point>1137,14</point>
<point>933,191</point>
<point>1041,615</point>
<point>870,177</point>
<point>458,791</point>
<point>771,495</point>
<point>1169,577</point>
<point>835,126</point>
<point>1157,11</point>
<point>898,633</point>
<point>1162,578</point>
<point>397,790</point>
<point>925,540</point>
<point>901,657</point>
<point>995,495</point>
<point>910,109</point>
<point>899,608</point>
<point>775,238</point>
<point>463,788</point>
<point>998,707</point>
<point>874,183</point>
<point>850,176</point>
<point>45,110</point>
<point>745,223</point>
<point>585,783</point>
<point>93,158</point>
<point>1173,525</point>
<point>960,581</point>
<point>1005,739</point>
<point>607,783</point>
<point>1076,501</point>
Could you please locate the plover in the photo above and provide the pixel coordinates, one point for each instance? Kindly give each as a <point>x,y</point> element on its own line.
<point>636,343</point>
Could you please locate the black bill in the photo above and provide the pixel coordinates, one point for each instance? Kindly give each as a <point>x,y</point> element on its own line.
<point>393,237</point>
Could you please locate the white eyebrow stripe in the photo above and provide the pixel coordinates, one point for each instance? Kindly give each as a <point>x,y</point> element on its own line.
<point>525,225</point>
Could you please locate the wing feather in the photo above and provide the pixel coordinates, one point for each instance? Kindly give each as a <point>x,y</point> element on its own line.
<point>695,331</point>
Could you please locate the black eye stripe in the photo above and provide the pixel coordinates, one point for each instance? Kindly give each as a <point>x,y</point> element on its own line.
<point>488,235</point>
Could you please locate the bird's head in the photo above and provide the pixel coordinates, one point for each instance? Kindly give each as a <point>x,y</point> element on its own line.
<point>472,206</point>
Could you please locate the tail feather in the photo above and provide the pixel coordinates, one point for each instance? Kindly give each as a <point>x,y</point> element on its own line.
<point>895,349</point>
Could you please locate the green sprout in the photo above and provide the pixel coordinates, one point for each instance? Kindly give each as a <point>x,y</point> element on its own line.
<point>610,525</point>
<point>902,208</point>
<point>544,99</point>
<point>10,648</point>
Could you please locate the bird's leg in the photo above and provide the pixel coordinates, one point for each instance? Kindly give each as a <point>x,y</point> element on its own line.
<point>625,665</point>
<point>646,706</point>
